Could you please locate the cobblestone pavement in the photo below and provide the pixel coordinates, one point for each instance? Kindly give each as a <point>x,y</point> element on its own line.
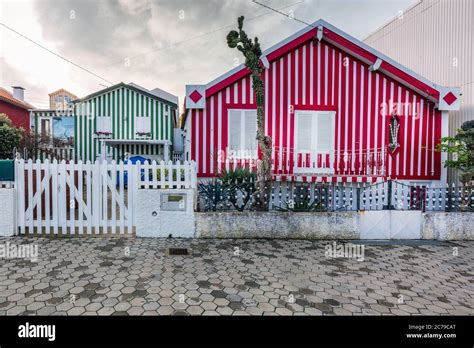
<point>238,277</point>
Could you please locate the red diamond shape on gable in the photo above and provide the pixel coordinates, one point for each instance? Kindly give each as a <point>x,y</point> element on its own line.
<point>450,98</point>
<point>195,96</point>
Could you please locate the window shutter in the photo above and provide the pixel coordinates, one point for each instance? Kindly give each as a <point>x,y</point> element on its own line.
<point>143,124</point>
<point>324,136</point>
<point>250,117</point>
<point>234,129</point>
<point>104,124</point>
<point>305,125</point>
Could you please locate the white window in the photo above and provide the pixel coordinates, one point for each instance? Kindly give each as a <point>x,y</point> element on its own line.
<point>314,131</point>
<point>104,124</point>
<point>142,124</point>
<point>242,133</point>
<point>45,127</point>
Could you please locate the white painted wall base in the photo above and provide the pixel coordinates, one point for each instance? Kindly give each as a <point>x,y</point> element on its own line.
<point>7,212</point>
<point>390,224</point>
<point>152,221</point>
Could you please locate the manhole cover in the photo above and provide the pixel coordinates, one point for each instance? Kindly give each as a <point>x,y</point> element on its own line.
<point>179,251</point>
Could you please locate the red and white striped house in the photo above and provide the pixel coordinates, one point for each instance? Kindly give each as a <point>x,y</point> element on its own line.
<point>329,103</point>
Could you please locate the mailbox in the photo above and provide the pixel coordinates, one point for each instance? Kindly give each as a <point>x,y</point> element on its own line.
<point>7,170</point>
<point>173,201</point>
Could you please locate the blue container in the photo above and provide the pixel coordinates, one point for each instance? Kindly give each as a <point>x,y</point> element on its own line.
<point>133,160</point>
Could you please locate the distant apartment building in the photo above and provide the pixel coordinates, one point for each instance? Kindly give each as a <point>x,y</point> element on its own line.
<point>60,99</point>
<point>415,37</point>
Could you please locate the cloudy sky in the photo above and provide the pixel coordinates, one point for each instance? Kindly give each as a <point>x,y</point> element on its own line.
<point>154,43</point>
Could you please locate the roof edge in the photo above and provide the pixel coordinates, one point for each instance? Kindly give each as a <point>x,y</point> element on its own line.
<point>344,35</point>
<point>126,85</point>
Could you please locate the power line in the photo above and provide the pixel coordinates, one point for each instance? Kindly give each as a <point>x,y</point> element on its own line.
<point>199,35</point>
<point>57,55</point>
<point>283,13</point>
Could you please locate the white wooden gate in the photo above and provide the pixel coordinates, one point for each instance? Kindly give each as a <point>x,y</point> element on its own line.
<point>88,198</point>
<point>390,224</point>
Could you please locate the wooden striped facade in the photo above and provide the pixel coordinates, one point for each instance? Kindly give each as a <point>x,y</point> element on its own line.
<point>125,105</point>
<point>334,76</point>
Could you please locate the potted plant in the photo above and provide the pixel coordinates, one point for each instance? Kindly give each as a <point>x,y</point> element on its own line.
<point>103,135</point>
<point>143,135</point>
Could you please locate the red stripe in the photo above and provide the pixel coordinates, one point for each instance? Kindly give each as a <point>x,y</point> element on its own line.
<point>365,121</point>
<point>285,113</point>
<point>416,141</point>
<point>315,73</point>
<point>357,165</point>
<point>338,113</point>
<point>403,132</point>
<point>292,115</point>
<point>350,120</point>
<point>429,143</point>
<point>270,102</point>
<point>208,134</point>
<point>373,131</point>
<point>437,139</point>
<point>247,89</point>
<point>330,81</point>
<point>410,141</point>
<point>343,114</point>
<point>323,73</point>
<point>194,141</point>
<point>308,69</point>
<point>424,140</point>
<point>224,129</point>
<point>217,164</point>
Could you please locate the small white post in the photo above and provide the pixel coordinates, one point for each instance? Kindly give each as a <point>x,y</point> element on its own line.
<point>167,152</point>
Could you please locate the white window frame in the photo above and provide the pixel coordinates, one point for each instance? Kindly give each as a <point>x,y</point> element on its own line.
<point>314,130</point>
<point>239,154</point>
<point>147,124</point>
<point>101,119</point>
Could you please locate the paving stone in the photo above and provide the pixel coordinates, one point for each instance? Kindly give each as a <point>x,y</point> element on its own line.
<point>165,310</point>
<point>76,311</point>
<point>215,282</point>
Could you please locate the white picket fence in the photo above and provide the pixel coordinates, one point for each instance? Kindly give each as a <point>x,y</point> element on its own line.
<point>89,198</point>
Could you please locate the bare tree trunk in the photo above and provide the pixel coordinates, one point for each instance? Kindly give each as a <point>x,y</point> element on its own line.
<point>264,174</point>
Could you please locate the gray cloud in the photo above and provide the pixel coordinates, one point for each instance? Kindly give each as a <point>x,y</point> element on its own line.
<point>172,43</point>
<point>35,93</point>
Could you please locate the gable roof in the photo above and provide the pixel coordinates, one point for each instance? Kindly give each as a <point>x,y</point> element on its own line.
<point>346,43</point>
<point>131,86</point>
<point>62,90</point>
<point>9,98</point>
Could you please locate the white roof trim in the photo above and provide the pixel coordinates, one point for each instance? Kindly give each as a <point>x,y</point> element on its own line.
<point>376,65</point>
<point>135,141</point>
<point>323,23</point>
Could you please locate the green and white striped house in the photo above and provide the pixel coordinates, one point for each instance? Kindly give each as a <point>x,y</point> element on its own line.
<point>124,120</point>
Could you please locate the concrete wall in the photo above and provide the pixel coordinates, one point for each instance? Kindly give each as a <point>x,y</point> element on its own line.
<point>7,212</point>
<point>343,225</point>
<point>448,226</point>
